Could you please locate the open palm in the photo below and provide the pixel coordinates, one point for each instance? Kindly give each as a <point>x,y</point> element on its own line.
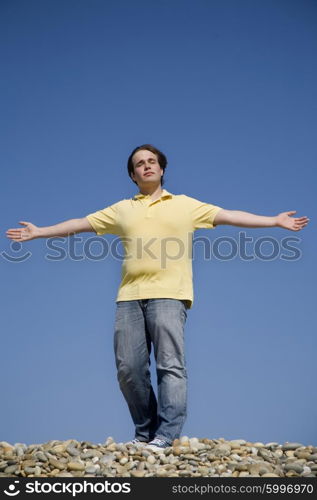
<point>29,232</point>
<point>285,220</point>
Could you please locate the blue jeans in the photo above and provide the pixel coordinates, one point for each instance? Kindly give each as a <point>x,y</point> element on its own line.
<point>140,323</point>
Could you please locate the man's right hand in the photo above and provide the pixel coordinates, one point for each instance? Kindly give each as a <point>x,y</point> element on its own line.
<point>29,232</point>
<point>66,228</point>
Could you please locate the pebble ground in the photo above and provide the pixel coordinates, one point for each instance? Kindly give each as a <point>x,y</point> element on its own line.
<point>187,457</point>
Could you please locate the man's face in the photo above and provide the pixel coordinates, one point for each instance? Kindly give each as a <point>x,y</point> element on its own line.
<point>147,170</point>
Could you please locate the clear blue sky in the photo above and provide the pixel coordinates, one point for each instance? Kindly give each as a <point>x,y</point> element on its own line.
<point>227,89</point>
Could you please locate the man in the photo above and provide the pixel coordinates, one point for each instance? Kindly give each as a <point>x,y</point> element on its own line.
<point>156,290</point>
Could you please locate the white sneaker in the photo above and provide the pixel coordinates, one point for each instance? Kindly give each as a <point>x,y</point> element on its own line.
<point>158,445</point>
<point>136,442</point>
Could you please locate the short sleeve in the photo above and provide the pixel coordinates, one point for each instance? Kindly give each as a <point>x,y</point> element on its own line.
<point>104,221</point>
<point>202,214</point>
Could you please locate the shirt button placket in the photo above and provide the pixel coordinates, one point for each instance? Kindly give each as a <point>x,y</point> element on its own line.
<point>148,209</point>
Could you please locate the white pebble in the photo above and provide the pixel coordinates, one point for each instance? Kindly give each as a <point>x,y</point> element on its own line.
<point>184,439</point>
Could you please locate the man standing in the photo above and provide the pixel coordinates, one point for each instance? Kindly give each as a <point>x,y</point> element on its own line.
<point>156,290</point>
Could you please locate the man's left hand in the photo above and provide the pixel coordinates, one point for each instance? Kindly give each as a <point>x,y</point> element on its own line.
<point>285,220</point>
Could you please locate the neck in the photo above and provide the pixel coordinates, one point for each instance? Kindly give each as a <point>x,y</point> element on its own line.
<point>154,191</point>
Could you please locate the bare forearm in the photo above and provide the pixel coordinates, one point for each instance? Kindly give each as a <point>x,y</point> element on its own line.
<point>246,219</point>
<point>31,231</point>
<point>66,228</point>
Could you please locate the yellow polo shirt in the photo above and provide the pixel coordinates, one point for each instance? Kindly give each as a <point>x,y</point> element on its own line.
<point>157,240</point>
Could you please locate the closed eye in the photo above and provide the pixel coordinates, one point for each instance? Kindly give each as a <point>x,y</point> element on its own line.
<point>141,162</point>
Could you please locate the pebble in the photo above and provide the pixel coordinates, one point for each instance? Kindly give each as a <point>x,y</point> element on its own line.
<point>91,469</point>
<point>57,464</point>
<point>59,448</point>
<point>184,440</point>
<point>244,474</point>
<point>40,456</point>
<point>29,470</point>
<point>194,442</point>
<point>293,467</point>
<point>19,451</point>
<point>107,459</point>
<point>187,457</point>
<point>72,451</point>
<point>291,446</point>
<point>76,466</point>
<point>222,450</point>
<point>237,443</point>
<point>306,469</point>
<point>137,473</point>
<point>10,470</point>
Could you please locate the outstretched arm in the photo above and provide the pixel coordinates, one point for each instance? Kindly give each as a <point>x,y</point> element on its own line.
<point>30,231</point>
<point>246,219</point>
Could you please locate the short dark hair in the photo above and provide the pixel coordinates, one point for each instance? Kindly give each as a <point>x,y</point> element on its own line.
<point>148,147</point>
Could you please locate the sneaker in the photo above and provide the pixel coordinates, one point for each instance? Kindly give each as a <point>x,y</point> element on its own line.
<point>136,442</point>
<point>158,444</point>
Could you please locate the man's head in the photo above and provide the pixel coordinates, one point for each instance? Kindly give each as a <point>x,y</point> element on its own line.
<point>146,165</point>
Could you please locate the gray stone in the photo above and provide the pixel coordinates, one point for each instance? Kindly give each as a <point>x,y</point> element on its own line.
<point>39,455</point>
<point>266,454</point>
<point>272,445</point>
<point>184,473</point>
<point>11,469</point>
<point>291,446</point>
<point>89,454</point>
<point>37,470</point>
<point>29,470</point>
<point>19,451</point>
<point>107,459</point>
<point>72,451</point>
<point>57,464</point>
<point>293,467</point>
<point>109,441</point>
<point>91,469</point>
<point>222,450</point>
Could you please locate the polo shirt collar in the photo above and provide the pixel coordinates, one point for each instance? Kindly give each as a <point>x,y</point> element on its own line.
<point>165,194</point>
